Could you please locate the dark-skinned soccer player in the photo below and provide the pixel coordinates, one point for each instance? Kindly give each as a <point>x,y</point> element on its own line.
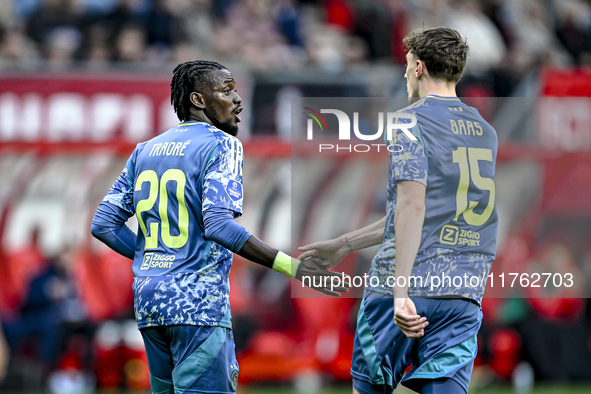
<point>185,187</point>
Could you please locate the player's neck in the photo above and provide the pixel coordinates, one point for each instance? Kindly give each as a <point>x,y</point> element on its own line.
<point>436,88</point>
<point>196,115</point>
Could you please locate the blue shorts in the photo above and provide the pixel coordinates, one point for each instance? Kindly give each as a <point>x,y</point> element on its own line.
<point>191,359</point>
<point>382,353</point>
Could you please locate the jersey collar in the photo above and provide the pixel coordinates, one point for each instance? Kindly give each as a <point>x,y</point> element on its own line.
<point>444,98</point>
<point>190,123</point>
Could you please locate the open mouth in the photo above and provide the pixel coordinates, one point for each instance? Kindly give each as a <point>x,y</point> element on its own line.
<point>236,112</point>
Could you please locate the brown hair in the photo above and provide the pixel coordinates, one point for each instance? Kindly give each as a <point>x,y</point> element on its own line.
<point>442,49</point>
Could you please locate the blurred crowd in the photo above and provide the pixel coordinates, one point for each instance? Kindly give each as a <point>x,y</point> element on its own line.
<point>509,38</point>
<point>66,321</point>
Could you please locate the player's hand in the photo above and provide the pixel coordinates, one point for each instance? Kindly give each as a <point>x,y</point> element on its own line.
<point>329,282</point>
<point>332,252</point>
<point>406,318</point>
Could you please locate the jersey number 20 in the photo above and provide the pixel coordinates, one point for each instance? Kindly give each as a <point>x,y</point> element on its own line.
<point>159,188</point>
<point>462,156</point>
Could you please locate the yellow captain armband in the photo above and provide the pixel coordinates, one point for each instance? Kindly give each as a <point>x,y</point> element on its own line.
<point>285,264</point>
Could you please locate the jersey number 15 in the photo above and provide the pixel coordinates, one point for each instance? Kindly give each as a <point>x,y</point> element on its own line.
<point>462,156</point>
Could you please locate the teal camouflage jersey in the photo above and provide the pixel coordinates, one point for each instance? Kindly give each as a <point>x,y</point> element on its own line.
<point>454,156</point>
<point>180,276</point>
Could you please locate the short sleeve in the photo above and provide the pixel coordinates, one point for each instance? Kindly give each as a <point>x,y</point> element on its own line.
<point>121,193</point>
<point>222,183</point>
<point>407,157</point>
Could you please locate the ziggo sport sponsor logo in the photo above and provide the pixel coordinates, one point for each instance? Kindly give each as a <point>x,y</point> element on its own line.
<point>392,124</point>
<point>155,260</point>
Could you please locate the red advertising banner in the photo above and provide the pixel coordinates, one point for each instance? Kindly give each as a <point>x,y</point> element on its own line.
<point>564,111</point>
<point>566,83</point>
<point>67,108</point>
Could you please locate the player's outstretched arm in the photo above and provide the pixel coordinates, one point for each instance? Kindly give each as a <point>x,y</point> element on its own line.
<point>221,227</point>
<point>334,250</point>
<point>256,250</point>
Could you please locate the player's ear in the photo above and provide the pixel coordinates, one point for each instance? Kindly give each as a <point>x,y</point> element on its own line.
<point>420,68</point>
<point>197,100</point>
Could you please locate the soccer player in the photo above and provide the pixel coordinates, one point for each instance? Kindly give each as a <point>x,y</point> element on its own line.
<point>185,187</point>
<point>440,227</point>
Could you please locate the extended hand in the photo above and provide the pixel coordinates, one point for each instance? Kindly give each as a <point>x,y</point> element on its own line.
<point>332,252</point>
<point>406,318</point>
<point>313,273</point>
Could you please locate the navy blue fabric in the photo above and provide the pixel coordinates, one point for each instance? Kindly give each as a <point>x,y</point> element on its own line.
<point>168,346</point>
<point>443,386</point>
<point>365,387</point>
<point>108,225</point>
<point>439,386</point>
<point>451,322</point>
<point>221,227</point>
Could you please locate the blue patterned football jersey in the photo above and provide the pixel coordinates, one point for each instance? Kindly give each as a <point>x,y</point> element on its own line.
<point>181,277</point>
<point>454,156</point>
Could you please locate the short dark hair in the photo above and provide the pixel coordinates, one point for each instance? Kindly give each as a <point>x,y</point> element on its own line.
<point>442,49</point>
<point>189,77</point>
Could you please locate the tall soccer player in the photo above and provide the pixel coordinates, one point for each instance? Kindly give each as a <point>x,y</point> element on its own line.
<point>438,239</point>
<point>185,187</point>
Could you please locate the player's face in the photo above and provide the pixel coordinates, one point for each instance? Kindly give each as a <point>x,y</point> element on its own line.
<point>224,104</point>
<point>412,83</point>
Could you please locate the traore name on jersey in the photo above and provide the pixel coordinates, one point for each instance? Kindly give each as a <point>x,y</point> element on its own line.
<point>181,277</point>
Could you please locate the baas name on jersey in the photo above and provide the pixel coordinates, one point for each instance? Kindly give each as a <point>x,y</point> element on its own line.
<point>155,260</point>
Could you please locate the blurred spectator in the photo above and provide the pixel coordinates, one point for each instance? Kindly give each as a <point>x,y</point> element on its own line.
<point>556,309</point>
<point>96,49</point>
<point>51,302</point>
<point>356,52</point>
<point>287,16</point>
<point>251,35</point>
<point>373,23</point>
<point>61,45</point>
<point>573,29</point>
<point>325,46</point>
<point>185,52</point>
<point>487,48</point>
<point>163,22</point>
<point>430,13</point>
<point>340,13</point>
<point>199,25</point>
<point>509,40</point>
<point>127,12</point>
<point>400,28</point>
<point>535,36</point>
<point>130,45</point>
<point>17,269</point>
<point>50,16</point>
<point>16,49</point>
